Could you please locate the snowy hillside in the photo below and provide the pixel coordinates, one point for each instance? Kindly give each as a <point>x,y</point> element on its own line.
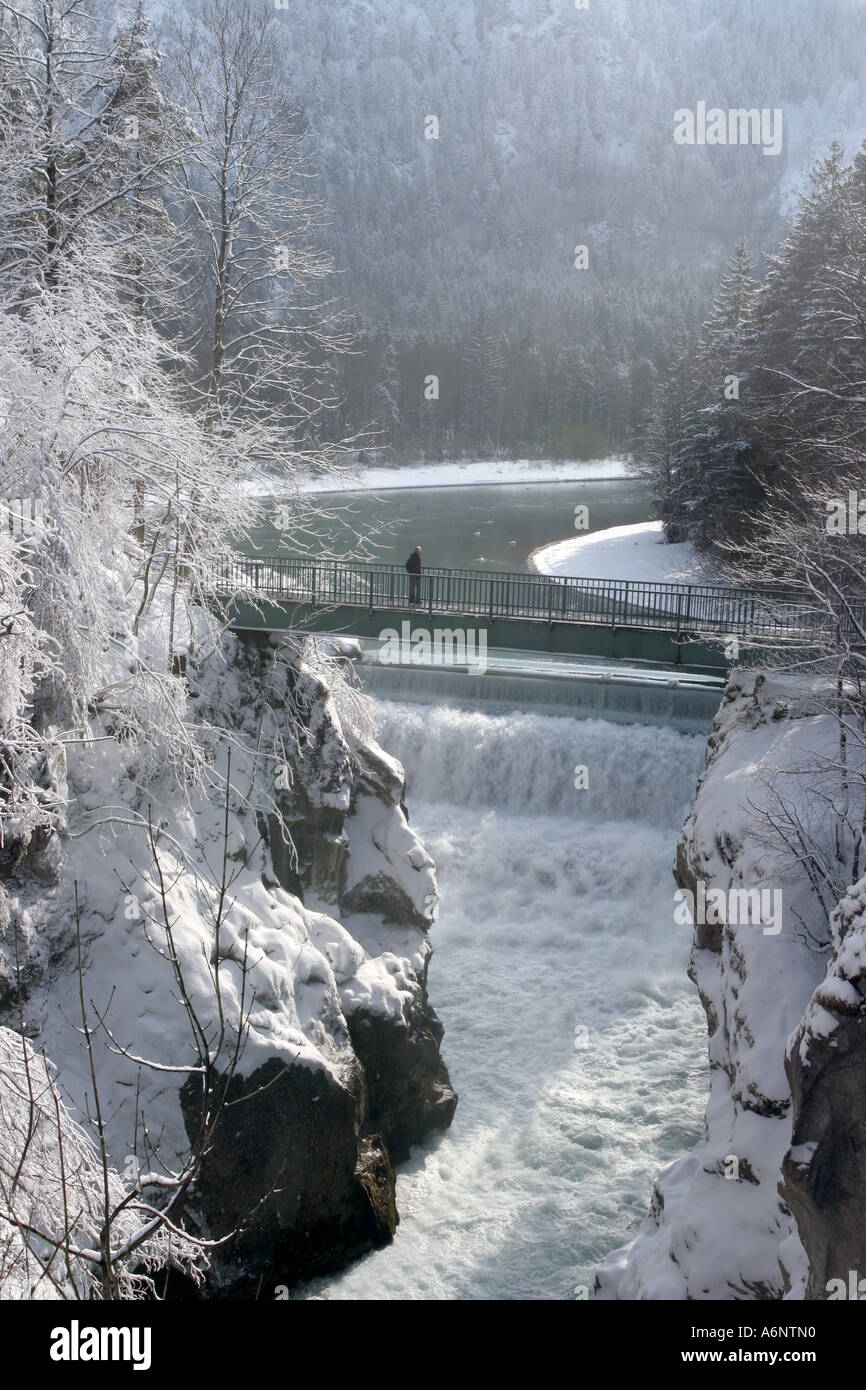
<point>555,127</point>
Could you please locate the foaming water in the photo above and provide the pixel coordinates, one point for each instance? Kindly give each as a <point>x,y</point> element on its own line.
<point>573,1036</point>
<point>524,764</point>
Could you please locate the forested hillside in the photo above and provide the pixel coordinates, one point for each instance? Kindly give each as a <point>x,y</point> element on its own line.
<point>555,129</point>
<point>761,428</point>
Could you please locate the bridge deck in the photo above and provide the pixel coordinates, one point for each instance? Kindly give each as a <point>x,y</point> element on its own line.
<point>705,609</point>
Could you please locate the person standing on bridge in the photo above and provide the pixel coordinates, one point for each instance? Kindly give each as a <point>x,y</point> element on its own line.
<point>413,569</point>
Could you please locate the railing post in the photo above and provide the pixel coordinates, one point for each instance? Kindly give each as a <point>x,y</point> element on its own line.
<point>315,576</point>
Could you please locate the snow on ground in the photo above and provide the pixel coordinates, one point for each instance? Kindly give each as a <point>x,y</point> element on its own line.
<point>626,552</point>
<point>463,473</point>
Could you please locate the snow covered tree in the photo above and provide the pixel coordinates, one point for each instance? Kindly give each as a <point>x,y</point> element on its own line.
<point>723,344</point>
<point>810,346</point>
<point>68,82</point>
<point>701,441</point>
<point>715,485</point>
<point>267,328</point>
<point>26,805</point>
<point>89,413</point>
<point>385,397</point>
<point>157,135</point>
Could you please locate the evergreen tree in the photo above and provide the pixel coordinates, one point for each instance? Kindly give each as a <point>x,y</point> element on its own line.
<point>385,397</point>
<point>484,373</point>
<point>716,491</point>
<point>810,346</point>
<point>725,335</point>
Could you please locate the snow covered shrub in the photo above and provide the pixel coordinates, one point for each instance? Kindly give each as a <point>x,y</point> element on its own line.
<point>69,1226</point>
<point>92,427</point>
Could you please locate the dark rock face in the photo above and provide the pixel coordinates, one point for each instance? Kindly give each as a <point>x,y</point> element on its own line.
<point>824,1172</point>
<point>408,1084</point>
<point>304,1167</point>
<point>319,848</point>
<point>296,1142</point>
<point>826,1194</point>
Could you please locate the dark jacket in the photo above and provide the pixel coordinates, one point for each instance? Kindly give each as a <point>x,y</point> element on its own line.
<point>413,564</point>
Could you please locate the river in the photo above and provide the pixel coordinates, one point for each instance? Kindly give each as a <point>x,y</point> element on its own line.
<point>573,1036</point>
<point>474,527</point>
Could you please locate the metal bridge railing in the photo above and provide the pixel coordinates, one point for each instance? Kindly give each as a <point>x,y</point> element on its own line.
<point>709,608</point>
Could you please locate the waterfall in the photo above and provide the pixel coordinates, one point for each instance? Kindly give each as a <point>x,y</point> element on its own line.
<point>651,697</point>
<point>523,764</point>
<point>574,1039</point>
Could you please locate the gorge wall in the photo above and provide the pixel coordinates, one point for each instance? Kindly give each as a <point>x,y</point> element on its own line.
<point>285,921</point>
<point>770,1204</point>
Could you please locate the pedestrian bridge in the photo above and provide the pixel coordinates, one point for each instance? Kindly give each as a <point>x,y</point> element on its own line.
<point>698,626</point>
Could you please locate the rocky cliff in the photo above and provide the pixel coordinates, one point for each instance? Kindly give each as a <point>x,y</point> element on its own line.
<point>770,1205</point>
<point>824,1171</point>
<point>274,921</point>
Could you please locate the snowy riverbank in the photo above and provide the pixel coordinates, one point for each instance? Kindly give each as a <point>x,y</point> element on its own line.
<point>462,473</point>
<point>626,552</point>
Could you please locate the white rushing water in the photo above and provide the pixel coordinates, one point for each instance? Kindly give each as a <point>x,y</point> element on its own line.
<point>574,1039</point>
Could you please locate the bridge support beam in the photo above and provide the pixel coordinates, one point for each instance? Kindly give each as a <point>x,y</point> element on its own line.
<point>658,646</point>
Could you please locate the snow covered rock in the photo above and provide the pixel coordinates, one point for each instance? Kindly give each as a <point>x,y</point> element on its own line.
<point>257,954</point>
<point>721,1225</point>
<point>356,858</point>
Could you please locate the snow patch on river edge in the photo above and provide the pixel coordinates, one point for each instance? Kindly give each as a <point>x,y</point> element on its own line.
<point>637,552</point>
